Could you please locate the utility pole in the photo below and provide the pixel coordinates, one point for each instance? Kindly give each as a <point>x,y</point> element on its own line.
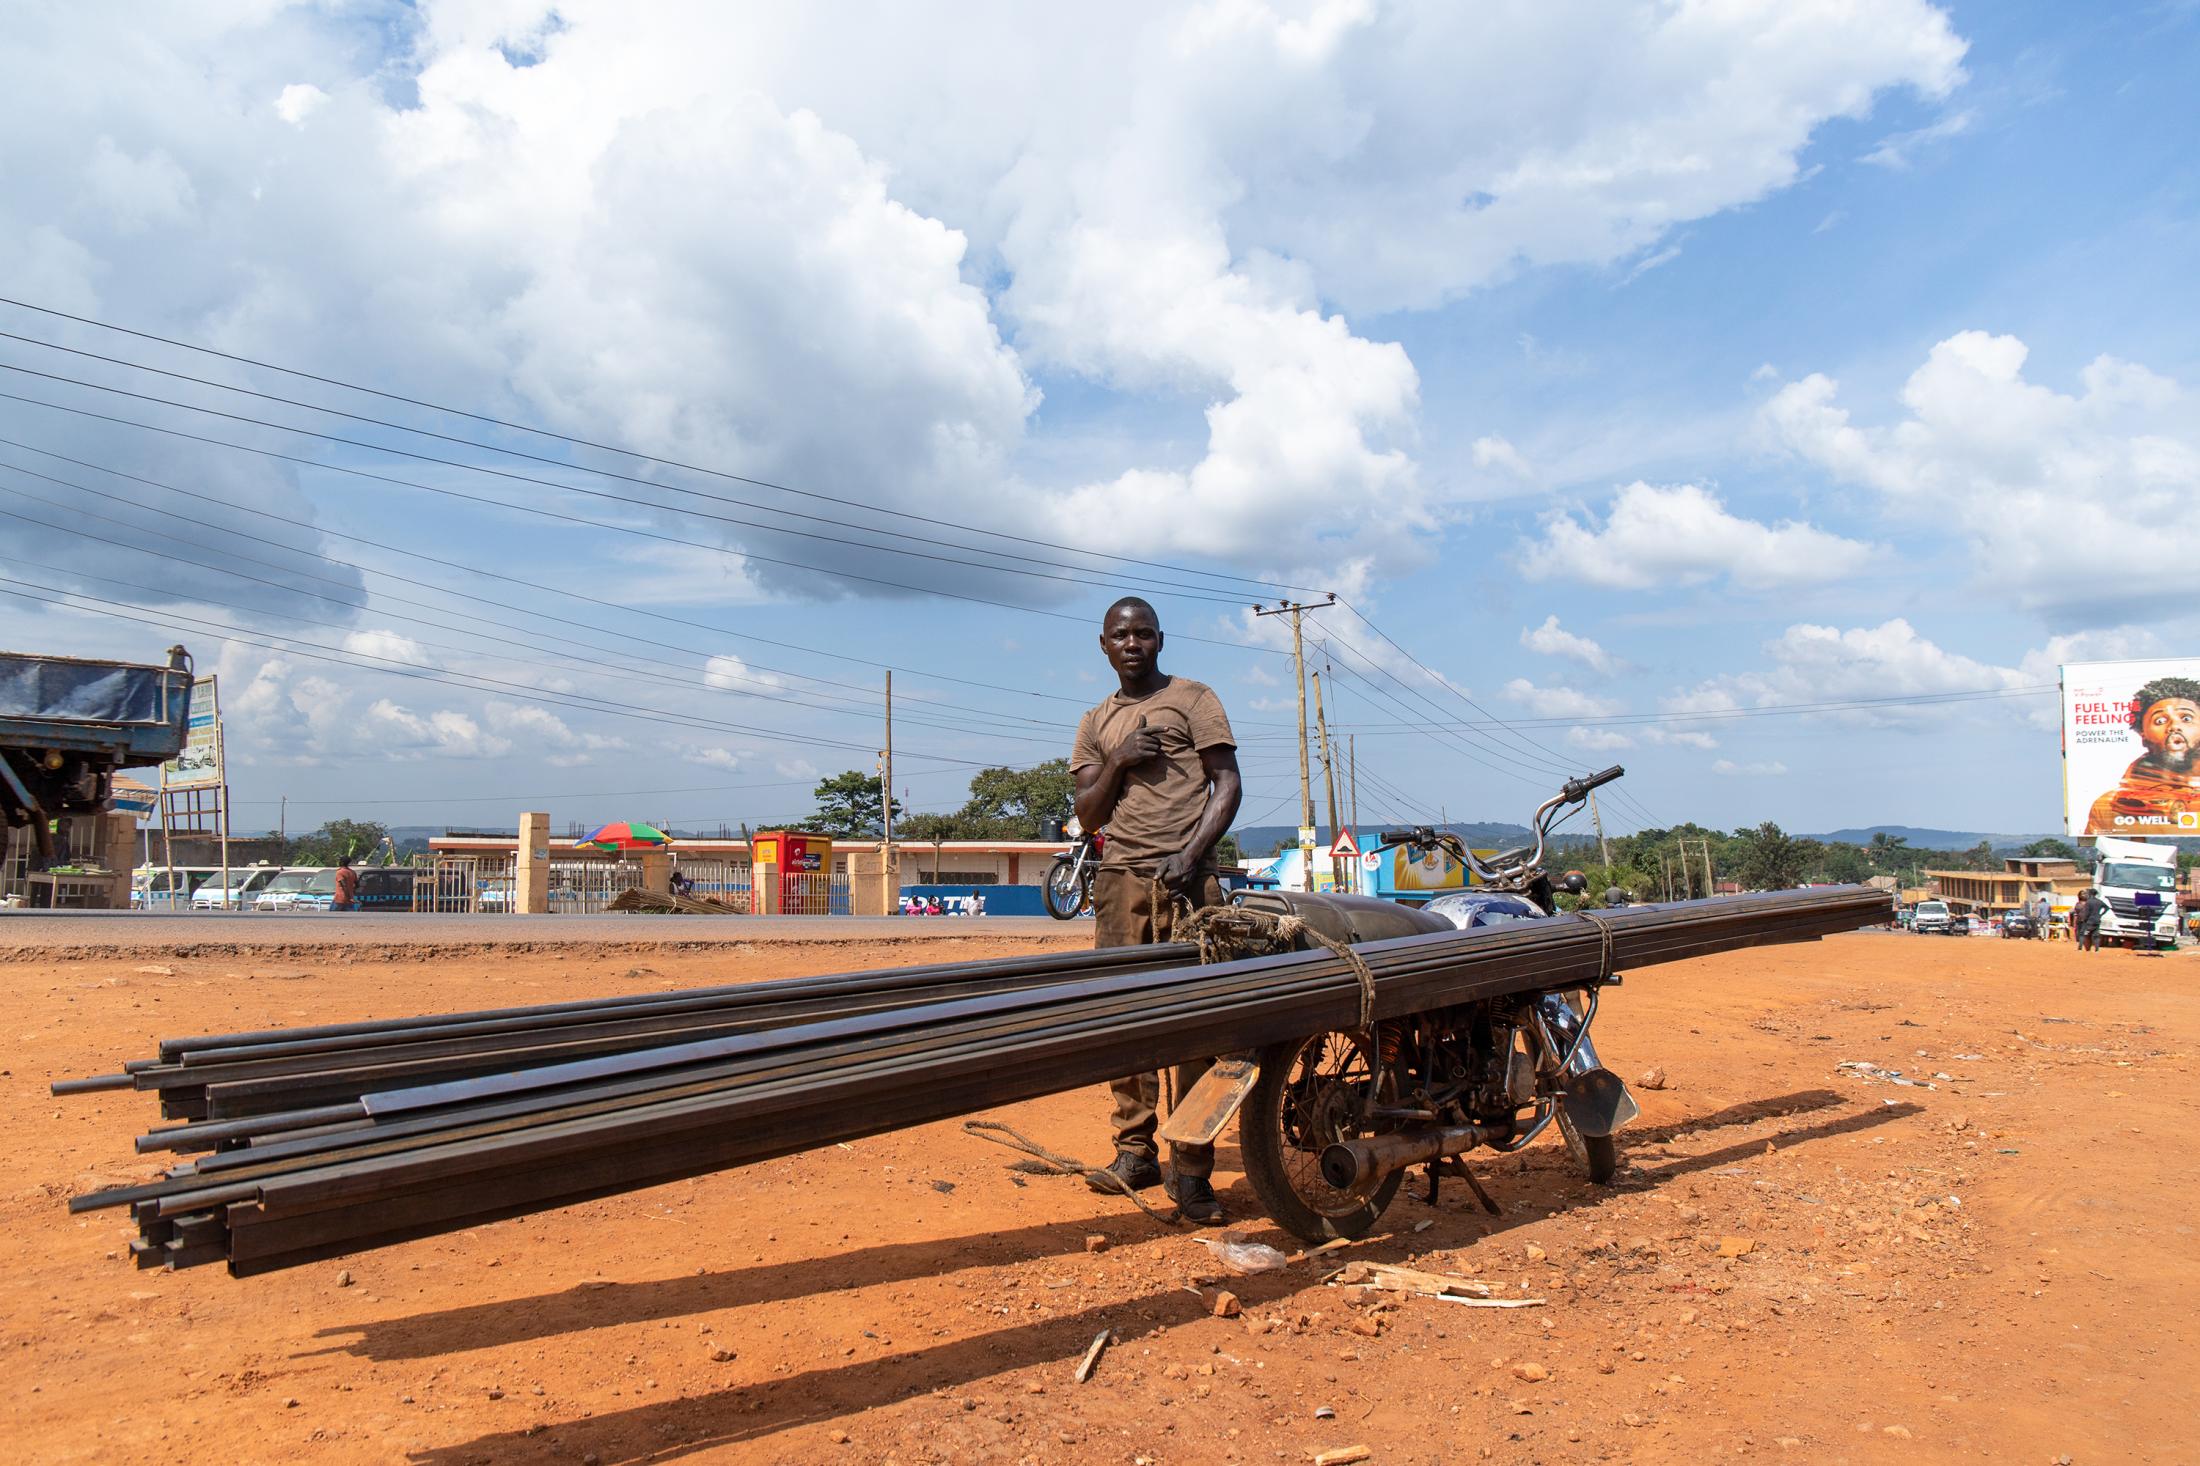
<point>886,775</point>
<point>1329,784</point>
<point>1295,610</point>
<point>1352,763</point>
<point>1597,819</point>
<point>282,824</point>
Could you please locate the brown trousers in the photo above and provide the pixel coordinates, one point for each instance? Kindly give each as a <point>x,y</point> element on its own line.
<point>1122,904</point>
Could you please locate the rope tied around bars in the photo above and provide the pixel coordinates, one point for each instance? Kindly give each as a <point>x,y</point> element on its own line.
<point>1227,933</point>
<point>1604,950</point>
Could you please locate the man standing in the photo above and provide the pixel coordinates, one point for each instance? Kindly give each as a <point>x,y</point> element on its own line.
<point>347,886</point>
<point>2085,920</point>
<point>2041,914</point>
<point>1157,764</point>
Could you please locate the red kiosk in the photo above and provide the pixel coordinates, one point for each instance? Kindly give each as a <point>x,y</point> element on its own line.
<point>791,873</point>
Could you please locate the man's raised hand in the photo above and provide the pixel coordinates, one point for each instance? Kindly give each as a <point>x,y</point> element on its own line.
<point>1143,743</point>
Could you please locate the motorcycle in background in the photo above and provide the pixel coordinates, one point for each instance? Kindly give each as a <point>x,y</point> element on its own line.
<point>1068,888</point>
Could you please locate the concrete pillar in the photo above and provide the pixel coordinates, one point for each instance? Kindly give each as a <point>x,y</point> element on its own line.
<point>657,871</point>
<point>763,889</point>
<point>531,868</point>
<point>873,889</point>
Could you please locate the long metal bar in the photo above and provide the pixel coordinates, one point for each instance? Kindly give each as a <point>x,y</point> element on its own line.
<point>430,1158</point>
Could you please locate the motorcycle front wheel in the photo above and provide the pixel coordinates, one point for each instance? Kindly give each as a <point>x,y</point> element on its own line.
<point>1307,1098</point>
<point>1062,894</point>
<point>1597,1155</point>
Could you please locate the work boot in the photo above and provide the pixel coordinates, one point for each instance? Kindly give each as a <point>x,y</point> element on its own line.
<point>1195,1199</point>
<point>1136,1172</point>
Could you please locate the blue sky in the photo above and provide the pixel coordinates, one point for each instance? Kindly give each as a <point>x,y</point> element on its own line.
<point>1639,379</point>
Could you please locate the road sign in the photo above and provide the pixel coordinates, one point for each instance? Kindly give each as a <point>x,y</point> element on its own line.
<point>1345,844</point>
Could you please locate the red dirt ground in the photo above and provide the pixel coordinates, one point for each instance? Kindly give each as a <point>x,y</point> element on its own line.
<point>2000,1267</point>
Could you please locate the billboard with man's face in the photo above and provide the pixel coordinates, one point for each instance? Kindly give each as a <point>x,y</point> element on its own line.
<point>2131,747</point>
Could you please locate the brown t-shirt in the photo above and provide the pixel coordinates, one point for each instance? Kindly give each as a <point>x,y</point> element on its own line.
<point>1162,798</point>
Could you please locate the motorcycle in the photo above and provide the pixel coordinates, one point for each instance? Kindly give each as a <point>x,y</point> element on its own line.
<point>1329,1124</point>
<point>1068,888</point>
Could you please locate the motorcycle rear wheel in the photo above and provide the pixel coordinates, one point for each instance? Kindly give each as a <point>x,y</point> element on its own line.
<point>1298,1107</point>
<point>1062,894</point>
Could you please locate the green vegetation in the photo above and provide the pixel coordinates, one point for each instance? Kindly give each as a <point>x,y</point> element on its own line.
<point>849,805</point>
<point>359,841</point>
<point>1765,857</point>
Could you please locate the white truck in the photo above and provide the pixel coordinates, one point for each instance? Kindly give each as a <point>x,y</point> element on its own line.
<point>2139,882</point>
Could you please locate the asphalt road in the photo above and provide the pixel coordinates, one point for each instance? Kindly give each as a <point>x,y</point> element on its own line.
<point>25,929</point>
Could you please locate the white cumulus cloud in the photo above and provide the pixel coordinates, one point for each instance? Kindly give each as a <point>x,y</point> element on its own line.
<point>1553,640</point>
<point>1727,766</point>
<point>1556,702</point>
<point>2073,503</point>
<point>1598,739</point>
<point>1685,535</point>
<point>765,240</point>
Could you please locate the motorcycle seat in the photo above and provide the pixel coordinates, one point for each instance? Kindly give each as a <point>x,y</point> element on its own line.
<point>1347,918</point>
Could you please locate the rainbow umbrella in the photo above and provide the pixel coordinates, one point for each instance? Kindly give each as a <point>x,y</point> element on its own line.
<point>627,835</point>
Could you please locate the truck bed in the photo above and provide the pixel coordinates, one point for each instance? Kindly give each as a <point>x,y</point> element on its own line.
<point>124,714</point>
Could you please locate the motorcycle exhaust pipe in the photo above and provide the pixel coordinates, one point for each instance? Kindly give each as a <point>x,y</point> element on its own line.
<point>1356,1165</point>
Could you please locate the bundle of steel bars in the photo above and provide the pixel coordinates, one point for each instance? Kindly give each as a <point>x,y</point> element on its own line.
<point>331,1140</point>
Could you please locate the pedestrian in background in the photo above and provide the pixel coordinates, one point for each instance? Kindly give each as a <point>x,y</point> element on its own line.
<point>347,886</point>
<point>2085,920</point>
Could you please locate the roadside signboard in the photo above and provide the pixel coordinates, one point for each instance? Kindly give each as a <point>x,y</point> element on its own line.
<point>1345,845</point>
<point>199,766</point>
<point>2131,747</point>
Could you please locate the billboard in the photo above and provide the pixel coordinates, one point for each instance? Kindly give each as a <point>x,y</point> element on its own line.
<point>199,766</point>
<point>2131,747</point>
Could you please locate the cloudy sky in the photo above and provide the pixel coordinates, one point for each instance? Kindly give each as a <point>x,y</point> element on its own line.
<point>1768,397</point>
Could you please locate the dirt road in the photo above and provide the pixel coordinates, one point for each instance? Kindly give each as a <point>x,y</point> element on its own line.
<point>1801,1261</point>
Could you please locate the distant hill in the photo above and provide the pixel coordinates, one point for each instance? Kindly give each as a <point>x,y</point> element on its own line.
<point>1262,840</point>
<point>1920,838</point>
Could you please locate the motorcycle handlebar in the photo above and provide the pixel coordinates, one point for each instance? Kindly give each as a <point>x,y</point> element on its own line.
<point>1579,788</point>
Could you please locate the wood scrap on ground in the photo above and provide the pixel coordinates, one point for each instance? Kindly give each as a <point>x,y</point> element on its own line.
<point>1389,1278</point>
<point>1091,1361</point>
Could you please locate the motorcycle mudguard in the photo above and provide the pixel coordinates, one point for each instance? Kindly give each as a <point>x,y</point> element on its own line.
<point>1200,1115</point>
<point>1597,1102</point>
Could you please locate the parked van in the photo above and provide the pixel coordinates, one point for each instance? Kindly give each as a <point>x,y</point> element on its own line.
<point>283,892</point>
<point>245,883</point>
<point>150,890</point>
<point>381,888</point>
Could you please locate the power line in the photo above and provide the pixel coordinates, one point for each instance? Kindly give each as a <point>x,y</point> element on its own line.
<point>559,591</point>
<point>536,510</point>
<point>1159,587</point>
<point>685,681</point>
<point>367,661</point>
<point>612,448</point>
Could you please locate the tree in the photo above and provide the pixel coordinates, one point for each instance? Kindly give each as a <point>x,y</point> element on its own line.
<point>1845,865</point>
<point>1015,804</point>
<point>919,827</point>
<point>848,805</point>
<point>2050,848</point>
<point>352,840</point>
<point>1772,859</point>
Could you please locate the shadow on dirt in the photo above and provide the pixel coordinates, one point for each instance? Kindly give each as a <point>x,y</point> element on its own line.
<point>662,1431</point>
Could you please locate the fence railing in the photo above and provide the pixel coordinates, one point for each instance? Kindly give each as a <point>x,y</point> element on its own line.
<point>812,893</point>
<point>716,878</point>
